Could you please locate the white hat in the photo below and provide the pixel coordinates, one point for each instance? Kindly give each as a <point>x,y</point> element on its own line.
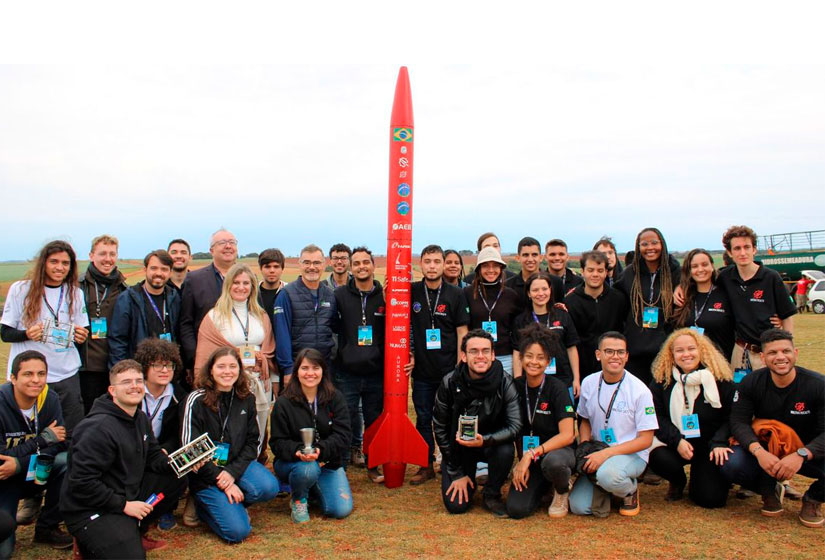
<point>489,254</point>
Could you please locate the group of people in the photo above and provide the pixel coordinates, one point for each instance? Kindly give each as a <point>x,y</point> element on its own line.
<point>598,377</point>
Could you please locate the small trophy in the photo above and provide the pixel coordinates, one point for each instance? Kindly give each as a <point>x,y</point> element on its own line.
<point>191,454</point>
<point>308,437</point>
<point>57,333</point>
<point>467,427</point>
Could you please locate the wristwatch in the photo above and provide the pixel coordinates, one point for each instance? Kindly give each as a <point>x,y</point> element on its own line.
<point>804,453</point>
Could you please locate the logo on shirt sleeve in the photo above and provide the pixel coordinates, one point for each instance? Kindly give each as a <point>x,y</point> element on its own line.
<point>568,408</point>
<point>650,410</point>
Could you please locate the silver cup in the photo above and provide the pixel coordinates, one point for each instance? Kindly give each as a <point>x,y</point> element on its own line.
<point>308,437</point>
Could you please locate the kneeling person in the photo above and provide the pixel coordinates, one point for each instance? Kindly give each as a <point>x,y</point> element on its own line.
<point>478,391</point>
<point>617,410</point>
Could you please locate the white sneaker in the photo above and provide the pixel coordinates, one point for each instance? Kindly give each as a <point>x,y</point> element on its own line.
<point>559,505</point>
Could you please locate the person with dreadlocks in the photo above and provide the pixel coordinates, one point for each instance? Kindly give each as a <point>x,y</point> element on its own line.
<point>648,282</point>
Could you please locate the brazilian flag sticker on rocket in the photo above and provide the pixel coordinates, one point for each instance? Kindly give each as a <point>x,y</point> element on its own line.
<point>402,134</point>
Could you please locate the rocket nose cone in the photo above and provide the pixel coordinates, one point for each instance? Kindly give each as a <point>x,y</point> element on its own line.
<point>402,111</point>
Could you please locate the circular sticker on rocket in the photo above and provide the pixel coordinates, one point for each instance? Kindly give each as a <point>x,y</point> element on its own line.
<point>403,208</point>
<point>404,190</point>
<point>416,307</point>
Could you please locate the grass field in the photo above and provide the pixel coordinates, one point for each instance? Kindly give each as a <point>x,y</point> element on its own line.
<point>410,522</point>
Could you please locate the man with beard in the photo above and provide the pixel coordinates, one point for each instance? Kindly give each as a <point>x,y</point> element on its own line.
<point>101,285</point>
<point>181,254</point>
<point>339,256</point>
<point>150,309</point>
<point>476,418</point>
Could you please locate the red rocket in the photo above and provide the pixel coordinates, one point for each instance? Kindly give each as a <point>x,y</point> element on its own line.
<point>392,440</point>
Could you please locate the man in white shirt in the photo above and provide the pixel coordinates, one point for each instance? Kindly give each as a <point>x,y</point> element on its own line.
<point>616,409</point>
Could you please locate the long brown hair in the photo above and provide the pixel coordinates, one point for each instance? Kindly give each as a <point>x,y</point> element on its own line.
<point>206,382</point>
<point>477,281</point>
<point>688,286</point>
<point>637,298</point>
<point>326,389</point>
<point>37,281</point>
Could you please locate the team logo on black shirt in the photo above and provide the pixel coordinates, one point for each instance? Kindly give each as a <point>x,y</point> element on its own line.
<point>544,406</point>
<point>757,296</point>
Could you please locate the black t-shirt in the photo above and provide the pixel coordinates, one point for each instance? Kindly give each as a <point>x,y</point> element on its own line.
<point>800,405</point>
<point>154,324</point>
<point>754,301</point>
<point>504,312</point>
<point>558,321</point>
<point>641,340</point>
<point>553,406</point>
<point>716,317</point>
<point>447,314</point>
<point>267,300</point>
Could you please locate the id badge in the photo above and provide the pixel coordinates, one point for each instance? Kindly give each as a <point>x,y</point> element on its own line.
<point>247,355</point>
<point>551,368</point>
<point>221,454</point>
<point>492,328</point>
<point>700,330</point>
<point>607,436</point>
<point>690,425</point>
<point>529,442</point>
<point>650,318</point>
<point>433,339</point>
<point>32,467</point>
<point>740,374</point>
<point>365,335</point>
<point>165,336</point>
<point>99,328</point>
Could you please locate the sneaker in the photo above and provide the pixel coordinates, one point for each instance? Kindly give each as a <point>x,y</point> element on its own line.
<point>744,494</point>
<point>674,493</point>
<point>167,522</point>
<point>284,489</point>
<point>149,543</point>
<point>422,475</point>
<point>300,511</point>
<point>54,536</point>
<point>811,513</point>
<point>375,475</point>
<point>560,505</point>
<point>356,457</point>
<point>482,474</point>
<point>496,506</point>
<point>630,504</point>
<point>190,513</point>
<point>772,503</point>
<point>29,510</point>
<point>791,493</point>
<point>651,478</point>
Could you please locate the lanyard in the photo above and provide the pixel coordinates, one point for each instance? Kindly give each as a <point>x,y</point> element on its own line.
<point>98,298</point>
<point>244,327</point>
<point>697,311</point>
<point>36,420</point>
<point>652,285</point>
<point>484,301</point>
<point>612,399</point>
<point>155,307</point>
<point>59,304</point>
<point>683,377</point>
<point>364,296</point>
<point>536,318</point>
<point>531,416</point>
<point>434,306</point>
<point>157,408</point>
<point>228,413</point>
<point>313,408</point>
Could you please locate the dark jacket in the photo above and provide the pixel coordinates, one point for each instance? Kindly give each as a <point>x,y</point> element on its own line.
<point>94,353</point>
<point>200,291</point>
<point>499,417</point>
<point>714,423</point>
<point>241,434</point>
<point>332,429</point>
<point>17,438</point>
<point>109,454</point>
<point>355,359</point>
<point>169,437</point>
<point>593,317</point>
<point>129,323</point>
<point>302,322</point>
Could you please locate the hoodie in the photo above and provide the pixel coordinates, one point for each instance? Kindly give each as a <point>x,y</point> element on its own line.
<point>19,439</point>
<point>353,358</point>
<point>593,317</point>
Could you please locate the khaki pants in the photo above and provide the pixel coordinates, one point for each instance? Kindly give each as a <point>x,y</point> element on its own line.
<point>737,358</point>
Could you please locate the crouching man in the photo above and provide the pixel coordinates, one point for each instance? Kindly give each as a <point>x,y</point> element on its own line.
<point>476,418</point>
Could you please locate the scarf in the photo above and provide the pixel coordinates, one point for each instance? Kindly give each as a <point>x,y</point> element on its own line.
<point>701,378</point>
<point>469,390</point>
<point>106,279</point>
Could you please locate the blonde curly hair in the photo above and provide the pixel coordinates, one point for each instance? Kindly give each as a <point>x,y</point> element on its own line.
<point>709,356</point>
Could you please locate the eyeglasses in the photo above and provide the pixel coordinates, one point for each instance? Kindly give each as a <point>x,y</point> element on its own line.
<point>654,243</point>
<point>314,264</point>
<point>158,366</point>
<point>610,352</point>
<point>221,243</point>
<point>129,382</point>
<point>344,258</point>
<point>476,351</point>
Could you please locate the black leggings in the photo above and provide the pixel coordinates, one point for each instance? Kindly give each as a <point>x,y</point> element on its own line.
<point>708,488</point>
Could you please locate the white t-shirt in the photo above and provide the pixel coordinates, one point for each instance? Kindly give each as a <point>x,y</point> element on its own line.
<point>63,362</point>
<point>632,412</point>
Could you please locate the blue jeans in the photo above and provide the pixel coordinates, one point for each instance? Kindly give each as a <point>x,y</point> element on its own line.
<point>423,397</point>
<point>230,521</point>
<point>617,475</point>
<point>369,390</point>
<point>331,485</point>
<point>742,468</point>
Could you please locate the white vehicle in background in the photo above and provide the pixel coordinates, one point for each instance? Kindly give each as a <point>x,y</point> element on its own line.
<point>816,293</point>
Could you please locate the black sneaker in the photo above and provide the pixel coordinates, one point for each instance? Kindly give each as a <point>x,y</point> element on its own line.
<point>772,502</point>
<point>495,506</point>
<point>54,536</point>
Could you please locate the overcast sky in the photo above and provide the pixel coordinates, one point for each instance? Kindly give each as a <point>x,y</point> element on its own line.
<point>285,155</point>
